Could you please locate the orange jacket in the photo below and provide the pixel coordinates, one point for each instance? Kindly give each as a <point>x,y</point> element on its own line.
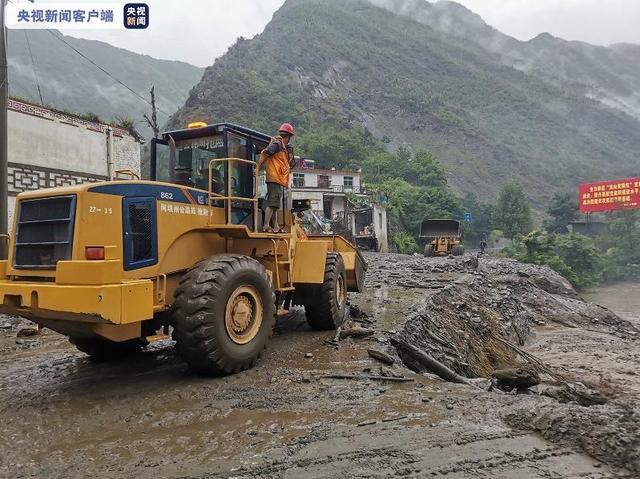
<point>277,164</point>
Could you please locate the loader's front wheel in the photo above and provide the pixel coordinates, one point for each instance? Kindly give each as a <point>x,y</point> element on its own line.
<point>223,314</point>
<point>326,304</point>
<point>100,350</point>
<point>457,250</point>
<point>428,250</point>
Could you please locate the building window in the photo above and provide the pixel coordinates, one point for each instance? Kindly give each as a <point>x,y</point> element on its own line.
<point>324,181</point>
<point>298,179</point>
<point>348,181</point>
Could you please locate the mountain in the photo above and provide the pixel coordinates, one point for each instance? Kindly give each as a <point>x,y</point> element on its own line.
<point>330,65</point>
<point>610,75</point>
<point>69,81</point>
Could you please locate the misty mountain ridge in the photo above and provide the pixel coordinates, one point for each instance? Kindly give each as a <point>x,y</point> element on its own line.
<point>70,82</point>
<point>404,76</point>
<point>610,74</point>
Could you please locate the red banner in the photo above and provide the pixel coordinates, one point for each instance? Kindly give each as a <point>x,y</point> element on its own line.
<point>609,195</point>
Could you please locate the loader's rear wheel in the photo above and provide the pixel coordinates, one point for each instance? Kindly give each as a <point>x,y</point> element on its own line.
<point>457,250</point>
<point>223,314</point>
<point>101,350</point>
<point>326,304</point>
<point>428,250</point>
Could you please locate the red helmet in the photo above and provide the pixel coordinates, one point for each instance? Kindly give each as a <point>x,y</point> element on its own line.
<point>287,128</point>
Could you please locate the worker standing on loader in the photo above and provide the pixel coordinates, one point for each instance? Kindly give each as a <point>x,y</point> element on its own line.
<point>278,157</point>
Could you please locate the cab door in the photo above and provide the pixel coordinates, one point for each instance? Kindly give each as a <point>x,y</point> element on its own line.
<point>241,178</point>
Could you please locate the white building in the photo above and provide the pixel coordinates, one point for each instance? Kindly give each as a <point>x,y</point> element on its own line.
<point>327,189</point>
<point>50,148</point>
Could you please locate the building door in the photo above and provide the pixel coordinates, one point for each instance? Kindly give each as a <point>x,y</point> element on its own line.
<point>327,206</point>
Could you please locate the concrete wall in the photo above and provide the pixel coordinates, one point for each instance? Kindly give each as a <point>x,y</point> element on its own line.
<point>48,149</point>
<point>337,177</point>
<point>380,227</point>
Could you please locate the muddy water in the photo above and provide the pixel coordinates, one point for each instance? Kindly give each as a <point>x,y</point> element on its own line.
<point>623,298</point>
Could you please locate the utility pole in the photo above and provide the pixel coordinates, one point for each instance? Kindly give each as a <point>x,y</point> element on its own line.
<point>153,121</point>
<point>4,165</point>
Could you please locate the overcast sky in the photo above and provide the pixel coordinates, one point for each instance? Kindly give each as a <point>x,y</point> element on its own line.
<point>198,31</point>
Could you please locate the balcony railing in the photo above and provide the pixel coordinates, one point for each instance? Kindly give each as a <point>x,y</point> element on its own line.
<point>345,189</point>
<point>332,188</point>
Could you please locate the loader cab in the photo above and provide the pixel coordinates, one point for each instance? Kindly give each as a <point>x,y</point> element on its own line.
<point>183,157</point>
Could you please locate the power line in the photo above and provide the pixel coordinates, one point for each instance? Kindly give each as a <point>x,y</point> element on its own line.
<point>33,64</point>
<point>106,72</point>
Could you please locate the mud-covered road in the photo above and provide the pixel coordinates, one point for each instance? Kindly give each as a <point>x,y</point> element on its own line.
<point>148,417</point>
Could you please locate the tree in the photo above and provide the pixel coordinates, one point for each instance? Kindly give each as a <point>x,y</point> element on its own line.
<point>409,204</point>
<point>513,213</point>
<point>623,242</point>
<point>420,169</point>
<point>339,149</point>
<point>482,218</point>
<point>562,210</point>
<point>573,256</point>
<point>624,226</point>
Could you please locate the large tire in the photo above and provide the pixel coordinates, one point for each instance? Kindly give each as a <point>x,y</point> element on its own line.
<point>428,250</point>
<point>457,250</point>
<point>326,304</point>
<point>223,314</point>
<point>101,350</point>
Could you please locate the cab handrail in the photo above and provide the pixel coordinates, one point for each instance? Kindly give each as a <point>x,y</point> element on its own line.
<point>125,174</point>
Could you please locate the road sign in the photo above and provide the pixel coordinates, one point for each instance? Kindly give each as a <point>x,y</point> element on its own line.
<point>468,218</point>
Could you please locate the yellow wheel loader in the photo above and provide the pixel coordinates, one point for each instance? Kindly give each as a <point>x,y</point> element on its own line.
<point>117,264</point>
<point>442,237</point>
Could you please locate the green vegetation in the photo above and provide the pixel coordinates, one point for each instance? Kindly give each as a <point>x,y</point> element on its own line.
<point>404,243</point>
<point>623,245</point>
<point>482,225</point>
<point>513,213</point>
<point>562,211</point>
<point>586,261</point>
<point>573,256</point>
<point>415,188</point>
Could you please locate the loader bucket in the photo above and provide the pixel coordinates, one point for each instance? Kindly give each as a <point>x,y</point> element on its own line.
<point>440,228</point>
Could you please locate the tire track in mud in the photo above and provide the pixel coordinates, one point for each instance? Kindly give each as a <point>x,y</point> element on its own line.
<point>486,455</point>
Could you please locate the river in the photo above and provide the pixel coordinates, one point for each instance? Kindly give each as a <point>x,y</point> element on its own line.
<point>623,298</point>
